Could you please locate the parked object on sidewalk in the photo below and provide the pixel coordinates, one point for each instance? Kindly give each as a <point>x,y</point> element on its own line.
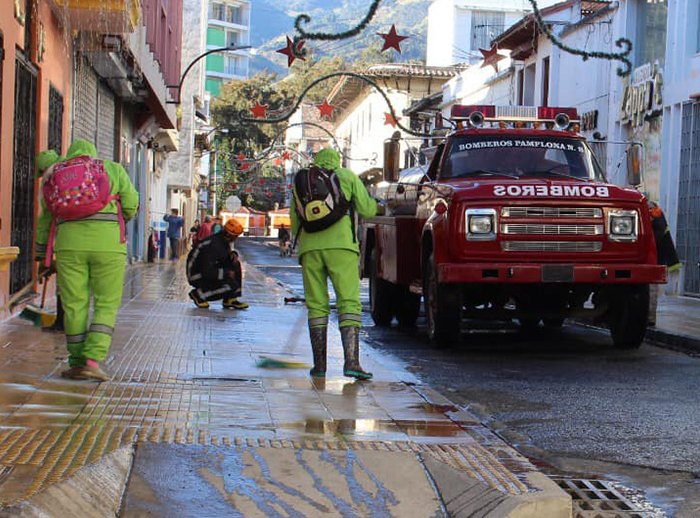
<point>328,247</point>
<point>213,269</point>
<point>91,257</point>
<point>153,245</point>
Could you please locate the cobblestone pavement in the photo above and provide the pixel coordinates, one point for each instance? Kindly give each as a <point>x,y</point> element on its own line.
<point>188,376</point>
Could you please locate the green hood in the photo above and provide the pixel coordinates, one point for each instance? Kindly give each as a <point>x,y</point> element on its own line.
<point>81,148</point>
<point>44,160</point>
<point>328,158</point>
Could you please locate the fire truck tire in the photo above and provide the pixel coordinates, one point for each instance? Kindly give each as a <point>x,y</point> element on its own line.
<point>382,296</point>
<point>628,322</point>
<point>443,307</point>
<point>408,308</point>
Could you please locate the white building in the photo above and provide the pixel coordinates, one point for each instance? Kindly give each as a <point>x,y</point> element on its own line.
<point>363,118</point>
<point>185,168</point>
<point>457,29</point>
<point>228,25</point>
<point>680,137</point>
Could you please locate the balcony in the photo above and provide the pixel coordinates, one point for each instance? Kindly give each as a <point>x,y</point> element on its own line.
<point>104,16</point>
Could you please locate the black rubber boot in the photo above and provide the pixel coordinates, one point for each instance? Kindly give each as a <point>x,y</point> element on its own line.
<point>350,336</point>
<point>318,337</point>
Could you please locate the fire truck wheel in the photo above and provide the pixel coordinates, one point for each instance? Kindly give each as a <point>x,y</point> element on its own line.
<point>443,307</point>
<point>408,308</point>
<point>629,320</point>
<point>382,296</point>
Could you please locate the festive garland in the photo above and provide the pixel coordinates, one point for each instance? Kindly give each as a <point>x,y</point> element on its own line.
<point>282,118</point>
<point>303,19</point>
<point>612,56</point>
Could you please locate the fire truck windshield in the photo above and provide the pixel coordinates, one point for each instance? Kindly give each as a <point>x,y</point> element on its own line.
<point>521,156</point>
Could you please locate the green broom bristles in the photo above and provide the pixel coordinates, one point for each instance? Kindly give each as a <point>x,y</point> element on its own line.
<point>266,362</point>
<point>37,316</point>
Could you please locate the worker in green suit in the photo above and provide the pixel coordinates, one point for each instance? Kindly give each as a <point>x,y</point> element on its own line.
<point>334,252</point>
<point>90,257</point>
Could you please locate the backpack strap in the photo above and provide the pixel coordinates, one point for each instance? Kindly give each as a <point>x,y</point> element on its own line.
<point>120,216</point>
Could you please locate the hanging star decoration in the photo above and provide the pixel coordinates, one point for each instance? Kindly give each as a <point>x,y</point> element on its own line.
<point>241,156</point>
<point>326,109</point>
<point>245,166</point>
<point>286,155</point>
<point>392,39</point>
<point>491,57</point>
<point>390,120</point>
<point>259,111</point>
<point>278,161</point>
<point>292,51</point>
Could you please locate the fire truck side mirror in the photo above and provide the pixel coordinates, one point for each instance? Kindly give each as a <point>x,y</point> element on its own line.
<point>392,156</point>
<point>635,174</point>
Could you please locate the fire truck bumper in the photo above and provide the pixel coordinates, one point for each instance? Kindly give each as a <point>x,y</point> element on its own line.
<point>550,273</point>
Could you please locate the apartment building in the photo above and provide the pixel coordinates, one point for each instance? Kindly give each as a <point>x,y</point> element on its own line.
<point>228,25</point>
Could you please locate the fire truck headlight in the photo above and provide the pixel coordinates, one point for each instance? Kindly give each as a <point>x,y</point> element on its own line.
<point>481,224</point>
<point>622,225</point>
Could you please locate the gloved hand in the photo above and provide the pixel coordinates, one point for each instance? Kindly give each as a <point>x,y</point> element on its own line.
<point>46,271</point>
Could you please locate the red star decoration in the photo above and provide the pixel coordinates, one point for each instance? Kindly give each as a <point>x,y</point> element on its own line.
<point>241,156</point>
<point>286,155</point>
<point>262,181</point>
<point>491,57</point>
<point>278,161</point>
<point>326,109</point>
<point>289,186</point>
<point>244,167</point>
<point>248,189</point>
<point>392,40</point>
<point>290,50</point>
<point>390,120</point>
<point>259,110</point>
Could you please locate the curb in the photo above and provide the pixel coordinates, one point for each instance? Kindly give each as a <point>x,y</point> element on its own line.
<point>94,490</point>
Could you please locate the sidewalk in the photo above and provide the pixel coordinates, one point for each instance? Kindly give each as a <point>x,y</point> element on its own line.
<point>677,323</point>
<point>203,430</point>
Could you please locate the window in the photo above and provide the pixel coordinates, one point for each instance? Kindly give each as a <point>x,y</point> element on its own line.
<point>232,66</point>
<point>521,87</point>
<point>218,12</point>
<point>529,85</point>
<point>486,25</point>
<point>233,14</point>
<point>232,39</point>
<point>545,81</point>
<point>652,19</point>
<point>55,120</point>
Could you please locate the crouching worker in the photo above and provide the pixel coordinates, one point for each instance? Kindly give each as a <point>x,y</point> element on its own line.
<point>213,269</point>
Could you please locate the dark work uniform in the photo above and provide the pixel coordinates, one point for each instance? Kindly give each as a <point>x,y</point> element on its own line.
<point>209,267</point>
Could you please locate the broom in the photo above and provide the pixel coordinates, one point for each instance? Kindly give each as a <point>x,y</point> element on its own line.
<point>267,362</point>
<point>37,315</point>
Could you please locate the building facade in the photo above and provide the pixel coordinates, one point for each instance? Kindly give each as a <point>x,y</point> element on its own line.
<point>228,25</point>
<point>457,29</point>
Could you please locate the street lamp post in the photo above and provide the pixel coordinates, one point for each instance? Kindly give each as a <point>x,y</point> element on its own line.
<point>195,61</point>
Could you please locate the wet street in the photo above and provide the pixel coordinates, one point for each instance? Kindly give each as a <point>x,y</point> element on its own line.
<point>565,398</point>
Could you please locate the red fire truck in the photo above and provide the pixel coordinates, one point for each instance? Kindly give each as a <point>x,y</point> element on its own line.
<point>513,219</point>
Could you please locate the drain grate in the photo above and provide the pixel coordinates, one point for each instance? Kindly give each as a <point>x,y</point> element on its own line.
<point>594,498</point>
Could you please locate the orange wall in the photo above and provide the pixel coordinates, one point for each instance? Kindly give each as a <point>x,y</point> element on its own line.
<point>55,68</point>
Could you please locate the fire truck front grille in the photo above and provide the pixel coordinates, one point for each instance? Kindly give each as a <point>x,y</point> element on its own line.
<point>551,212</point>
<point>551,230</point>
<point>551,246</point>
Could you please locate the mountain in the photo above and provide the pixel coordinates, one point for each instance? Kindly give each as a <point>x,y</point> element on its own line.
<point>272,20</point>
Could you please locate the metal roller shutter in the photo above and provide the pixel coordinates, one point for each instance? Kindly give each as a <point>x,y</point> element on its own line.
<point>85,102</point>
<point>105,123</point>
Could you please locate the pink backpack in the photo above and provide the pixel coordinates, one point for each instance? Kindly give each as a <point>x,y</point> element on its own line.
<point>76,189</point>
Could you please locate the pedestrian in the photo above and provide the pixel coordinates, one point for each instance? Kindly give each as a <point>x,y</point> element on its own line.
<point>283,240</point>
<point>44,160</point>
<point>194,229</point>
<point>213,269</point>
<point>204,229</point>
<point>175,224</point>
<point>332,252</point>
<point>153,245</point>
<point>216,225</point>
<point>90,251</point>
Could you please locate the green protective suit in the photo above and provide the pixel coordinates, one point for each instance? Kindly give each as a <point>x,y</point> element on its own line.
<point>334,252</point>
<point>90,258</point>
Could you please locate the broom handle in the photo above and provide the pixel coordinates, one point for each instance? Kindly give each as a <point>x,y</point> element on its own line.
<point>43,292</point>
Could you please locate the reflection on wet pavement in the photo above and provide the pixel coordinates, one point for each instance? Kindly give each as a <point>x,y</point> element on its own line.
<point>188,376</point>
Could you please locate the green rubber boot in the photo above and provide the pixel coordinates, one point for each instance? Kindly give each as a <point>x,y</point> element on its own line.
<point>318,337</point>
<point>350,336</point>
